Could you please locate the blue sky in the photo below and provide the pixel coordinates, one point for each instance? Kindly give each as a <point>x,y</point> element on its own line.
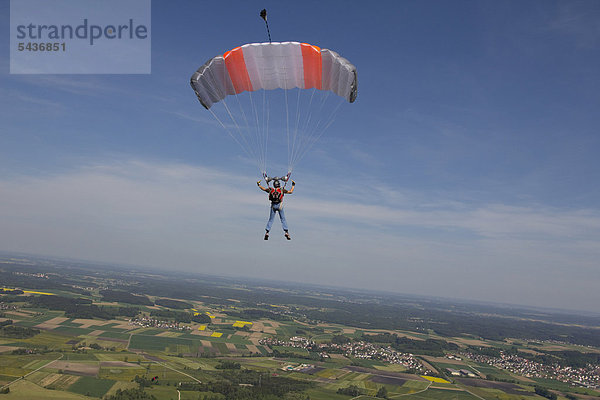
<point>468,166</point>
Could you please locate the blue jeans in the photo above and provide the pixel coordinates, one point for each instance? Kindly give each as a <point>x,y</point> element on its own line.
<point>275,207</point>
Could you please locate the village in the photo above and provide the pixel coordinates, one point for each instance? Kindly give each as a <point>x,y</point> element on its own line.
<point>148,322</point>
<point>588,377</point>
<point>360,350</point>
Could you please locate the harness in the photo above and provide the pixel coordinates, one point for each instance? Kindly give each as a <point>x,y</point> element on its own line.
<point>276,195</point>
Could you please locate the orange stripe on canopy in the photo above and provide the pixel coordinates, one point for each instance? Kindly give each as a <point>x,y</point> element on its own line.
<point>313,68</point>
<point>236,66</point>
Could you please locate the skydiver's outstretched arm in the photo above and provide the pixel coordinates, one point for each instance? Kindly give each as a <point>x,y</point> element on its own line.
<point>291,190</point>
<point>261,187</point>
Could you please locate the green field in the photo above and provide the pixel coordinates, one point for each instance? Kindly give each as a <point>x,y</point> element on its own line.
<point>293,350</point>
<point>14,366</point>
<point>69,322</point>
<point>120,373</point>
<point>47,339</point>
<point>322,338</point>
<point>161,343</point>
<point>73,331</point>
<point>91,386</point>
<point>498,373</point>
<point>38,319</point>
<point>150,331</point>
<point>87,356</point>
<point>331,373</point>
<point>369,363</point>
<point>287,330</point>
<point>221,347</point>
<point>4,379</point>
<point>164,392</point>
<point>114,335</point>
<point>390,367</point>
<point>325,394</point>
<point>24,390</point>
<point>58,382</point>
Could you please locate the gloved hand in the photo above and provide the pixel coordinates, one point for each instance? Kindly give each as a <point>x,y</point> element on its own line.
<point>257,183</point>
<point>293,183</point>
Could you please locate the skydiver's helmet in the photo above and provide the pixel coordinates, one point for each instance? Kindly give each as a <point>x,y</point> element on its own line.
<point>276,183</point>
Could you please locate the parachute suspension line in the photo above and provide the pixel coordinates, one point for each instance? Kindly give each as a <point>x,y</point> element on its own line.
<point>248,148</point>
<point>318,133</point>
<point>266,109</point>
<point>320,127</point>
<point>298,138</point>
<point>287,119</point>
<point>249,135</point>
<point>295,136</point>
<point>229,132</point>
<point>257,136</point>
<point>311,128</point>
<point>260,132</point>
<point>303,128</point>
<point>240,139</point>
<point>324,128</point>
<point>253,134</point>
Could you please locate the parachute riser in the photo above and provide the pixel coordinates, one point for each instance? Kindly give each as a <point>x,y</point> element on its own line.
<point>285,179</point>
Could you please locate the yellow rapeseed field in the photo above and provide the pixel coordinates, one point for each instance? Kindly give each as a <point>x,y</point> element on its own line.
<point>434,379</point>
<point>241,324</point>
<point>30,291</point>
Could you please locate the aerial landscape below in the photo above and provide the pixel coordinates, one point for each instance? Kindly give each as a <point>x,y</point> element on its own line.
<point>75,330</point>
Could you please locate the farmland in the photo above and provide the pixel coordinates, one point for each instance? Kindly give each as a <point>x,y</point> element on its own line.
<point>203,336</point>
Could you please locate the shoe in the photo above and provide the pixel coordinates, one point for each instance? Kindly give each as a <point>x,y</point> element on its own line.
<point>267,236</point>
<point>287,236</point>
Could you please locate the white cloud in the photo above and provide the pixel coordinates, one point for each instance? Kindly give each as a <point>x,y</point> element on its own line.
<point>79,86</point>
<point>197,218</point>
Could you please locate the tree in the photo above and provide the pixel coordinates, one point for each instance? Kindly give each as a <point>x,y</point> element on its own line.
<point>340,339</point>
<point>351,390</point>
<point>382,393</point>
<point>226,364</point>
<point>131,394</point>
<point>545,393</point>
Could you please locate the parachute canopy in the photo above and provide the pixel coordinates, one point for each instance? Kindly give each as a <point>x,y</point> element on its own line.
<point>268,66</point>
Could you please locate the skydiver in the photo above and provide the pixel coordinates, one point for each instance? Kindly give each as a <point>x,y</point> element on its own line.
<point>276,197</point>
